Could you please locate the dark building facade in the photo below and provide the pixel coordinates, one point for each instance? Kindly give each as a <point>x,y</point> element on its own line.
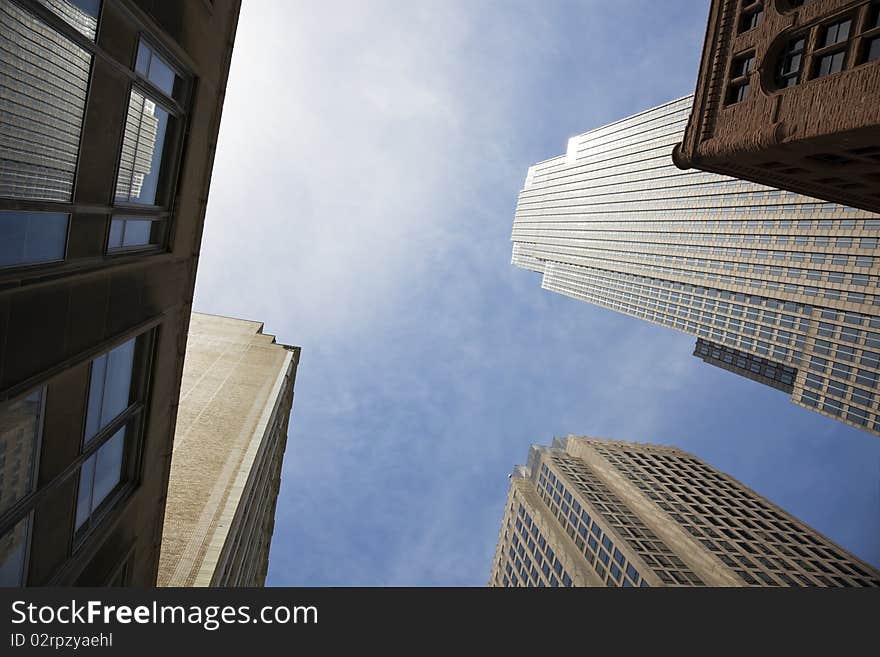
<point>109,113</point>
<point>788,95</point>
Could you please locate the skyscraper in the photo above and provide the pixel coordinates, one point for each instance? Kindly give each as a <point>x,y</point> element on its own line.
<point>784,283</point>
<point>235,403</point>
<point>588,512</point>
<point>788,95</point>
<point>109,115</point>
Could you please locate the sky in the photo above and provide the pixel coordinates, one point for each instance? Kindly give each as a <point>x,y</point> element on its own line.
<point>367,172</point>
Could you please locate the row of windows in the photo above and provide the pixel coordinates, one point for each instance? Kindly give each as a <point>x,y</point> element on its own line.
<point>831,48</point>
<point>711,276</point>
<point>724,314</point>
<point>666,565</point>
<point>749,363</point>
<point>811,54</point>
<point>737,337</point>
<point>587,534</point>
<point>670,239</point>
<point>45,85</point>
<point>530,556</point>
<point>734,524</point>
<point>110,439</point>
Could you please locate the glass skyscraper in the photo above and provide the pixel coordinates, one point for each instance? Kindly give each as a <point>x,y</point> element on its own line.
<point>589,512</point>
<point>778,287</point>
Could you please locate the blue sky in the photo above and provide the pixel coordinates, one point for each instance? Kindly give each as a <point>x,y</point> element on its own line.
<point>367,172</point>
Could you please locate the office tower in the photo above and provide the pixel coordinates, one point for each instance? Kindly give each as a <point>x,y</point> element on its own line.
<point>760,272</point>
<point>589,512</point>
<point>788,95</point>
<point>229,443</point>
<point>109,113</point>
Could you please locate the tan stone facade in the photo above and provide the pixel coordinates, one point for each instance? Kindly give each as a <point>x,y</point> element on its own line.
<point>788,95</point>
<point>590,512</point>
<point>229,443</point>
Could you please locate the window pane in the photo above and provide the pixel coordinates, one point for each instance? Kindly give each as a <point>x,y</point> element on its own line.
<point>81,14</point>
<point>118,385</point>
<point>142,65</point>
<point>110,387</point>
<point>115,239</point>
<point>137,232</point>
<point>84,497</point>
<point>96,395</point>
<point>19,434</point>
<point>873,50</point>
<point>44,79</point>
<point>12,552</point>
<point>156,69</point>
<point>108,467</point>
<point>31,237</point>
<point>142,147</point>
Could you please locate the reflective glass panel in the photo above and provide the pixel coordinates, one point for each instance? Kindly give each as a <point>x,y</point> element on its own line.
<point>43,86</point>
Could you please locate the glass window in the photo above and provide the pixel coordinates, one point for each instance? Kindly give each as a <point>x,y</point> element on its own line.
<point>13,548</point>
<point>832,63</point>
<point>835,33</point>
<point>155,69</point>
<point>789,70</point>
<point>109,387</point>
<point>20,423</point>
<point>99,476</point>
<point>872,49</point>
<point>31,237</point>
<point>44,80</point>
<point>140,163</point>
<point>751,19</point>
<point>81,14</point>
<point>133,232</point>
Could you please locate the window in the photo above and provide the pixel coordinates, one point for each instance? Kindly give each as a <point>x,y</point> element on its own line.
<point>830,54</point>
<point>13,552</point>
<point>32,237</point>
<point>44,79</point>
<point>20,428</point>
<point>789,69</point>
<point>870,50</point>
<point>81,14</point>
<point>148,160</point>
<point>740,69</point>
<point>109,387</point>
<point>99,476</point>
<point>143,146</point>
<point>155,69</point>
<point>134,232</point>
<point>117,388</point>
<point>751,17</point>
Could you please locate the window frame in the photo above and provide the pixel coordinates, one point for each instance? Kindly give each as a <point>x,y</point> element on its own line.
<point>740,78</point>
<point>753,10</point>
<point>180,108</point>
<point>23,508</point>
<point>133,420</point>
<point>843,46</point>
<point>170,166</point>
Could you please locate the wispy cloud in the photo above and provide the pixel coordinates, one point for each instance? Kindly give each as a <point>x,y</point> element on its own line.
<point>367,172</point>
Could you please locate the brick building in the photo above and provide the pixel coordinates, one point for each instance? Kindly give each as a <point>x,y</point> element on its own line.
<point>788,95</point>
